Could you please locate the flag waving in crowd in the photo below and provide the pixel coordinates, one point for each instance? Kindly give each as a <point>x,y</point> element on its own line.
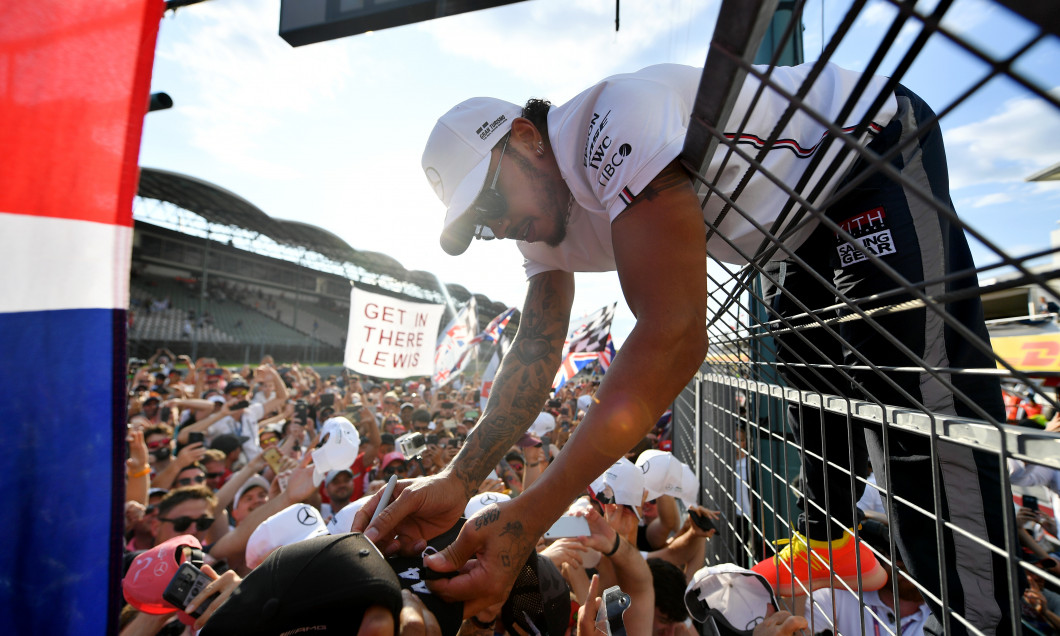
<point>453,343</point>
<point>503,344</point>
<point>589,342</point>
<point>492,332</point>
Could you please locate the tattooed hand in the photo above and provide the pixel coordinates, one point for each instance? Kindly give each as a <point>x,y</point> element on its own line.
<point>498,541</point>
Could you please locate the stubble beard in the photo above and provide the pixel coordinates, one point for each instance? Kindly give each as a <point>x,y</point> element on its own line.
<point>559,198</point>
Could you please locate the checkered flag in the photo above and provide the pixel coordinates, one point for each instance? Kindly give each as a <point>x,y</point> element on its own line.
<point>592,334</point>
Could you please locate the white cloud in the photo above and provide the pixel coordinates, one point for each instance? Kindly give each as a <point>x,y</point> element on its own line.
<point>240,81</point>
<point>1006,147</point>
<point>983,201</point>
<point>559,44</point>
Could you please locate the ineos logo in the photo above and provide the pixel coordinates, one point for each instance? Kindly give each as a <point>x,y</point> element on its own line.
<point>306,517</point>
<point>435,180</point>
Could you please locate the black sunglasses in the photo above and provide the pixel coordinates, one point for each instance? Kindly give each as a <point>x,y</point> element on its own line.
<point>490,205</point>
<point>391,470</point>
<point>187,481</point>
<point>214,475</point>
<point>180,524</point>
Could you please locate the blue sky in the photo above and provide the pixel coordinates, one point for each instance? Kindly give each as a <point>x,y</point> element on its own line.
<point>331,133</point>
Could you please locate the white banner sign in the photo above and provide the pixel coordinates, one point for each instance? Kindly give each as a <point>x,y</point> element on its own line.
<point>391,338</point>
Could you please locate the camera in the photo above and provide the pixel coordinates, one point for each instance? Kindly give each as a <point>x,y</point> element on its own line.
<point>185,586</point>
<point>616,602</point>
<point>411,444</point>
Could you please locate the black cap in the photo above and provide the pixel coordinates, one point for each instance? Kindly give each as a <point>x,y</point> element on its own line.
<point>421,415</point>
<point>320,585</point>
<point>236,383</point>
<point>387,438</point>
<point>227,442</point>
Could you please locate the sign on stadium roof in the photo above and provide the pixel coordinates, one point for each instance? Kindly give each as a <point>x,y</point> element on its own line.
<point>307,21</point>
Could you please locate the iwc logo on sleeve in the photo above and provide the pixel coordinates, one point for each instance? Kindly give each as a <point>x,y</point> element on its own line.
<point>868,229</point>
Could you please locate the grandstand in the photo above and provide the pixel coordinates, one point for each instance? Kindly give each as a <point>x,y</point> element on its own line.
<point>214,274</point>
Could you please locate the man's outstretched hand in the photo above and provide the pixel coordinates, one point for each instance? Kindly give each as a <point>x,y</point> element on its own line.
<point>420,509</point>
<point>488,553</point>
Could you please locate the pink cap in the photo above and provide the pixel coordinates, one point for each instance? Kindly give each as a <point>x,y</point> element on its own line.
<point>151,572</point>
<point>391,457</point>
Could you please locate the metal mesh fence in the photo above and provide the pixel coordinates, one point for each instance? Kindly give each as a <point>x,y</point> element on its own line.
<point>851,355</point>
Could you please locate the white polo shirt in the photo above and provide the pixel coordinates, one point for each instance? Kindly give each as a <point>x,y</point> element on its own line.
<point>614,138</point>
<point>247,427</point>
<point>848,615</point>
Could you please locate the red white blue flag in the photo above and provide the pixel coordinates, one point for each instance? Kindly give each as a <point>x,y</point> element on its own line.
<point>492,332</point>
<point>572,364</point>
<point>590,341</point>
<point>607,355</point>
<point>74,83</point>
<point>450,356</point>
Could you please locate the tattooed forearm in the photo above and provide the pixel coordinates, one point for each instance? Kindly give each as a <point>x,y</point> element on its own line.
<point>522,382</point>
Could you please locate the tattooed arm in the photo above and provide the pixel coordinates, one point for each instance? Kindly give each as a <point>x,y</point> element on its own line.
<point>523,380</point>
<point>660,251</point>
<point>425,508</point>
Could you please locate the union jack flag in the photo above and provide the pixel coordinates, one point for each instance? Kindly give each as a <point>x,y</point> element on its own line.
<point>572,364</point>
<point>607,354</point>
<point>492,332</point>
<point>450,355</point>
<point>592,333</point>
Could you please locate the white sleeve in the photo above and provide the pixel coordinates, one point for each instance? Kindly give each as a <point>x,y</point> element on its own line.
<point>645,131</point>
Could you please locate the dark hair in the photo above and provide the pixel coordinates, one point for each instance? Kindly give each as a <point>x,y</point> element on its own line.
<point>669,583</point>
<point>180,495</point>
<point>536,110</point>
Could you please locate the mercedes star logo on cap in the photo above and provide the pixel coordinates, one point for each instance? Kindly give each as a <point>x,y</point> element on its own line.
<point>489,498</point>
<point>306,517</point>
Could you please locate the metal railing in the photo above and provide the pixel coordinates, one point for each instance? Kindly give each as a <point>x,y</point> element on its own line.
<point>794,342</point>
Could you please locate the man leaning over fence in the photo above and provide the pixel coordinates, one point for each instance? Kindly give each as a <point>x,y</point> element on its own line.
<point>596,185</point>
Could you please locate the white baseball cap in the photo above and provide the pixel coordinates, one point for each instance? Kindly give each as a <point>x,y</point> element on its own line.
<point>254,481</point>
<point>456,161</point>
<point>624,481</point>
<point>664,474</point>
<point>544,424</point>
<point>290,525</point>
<point>734,597</point>
<point>481,500</point>
<point>341,444</point>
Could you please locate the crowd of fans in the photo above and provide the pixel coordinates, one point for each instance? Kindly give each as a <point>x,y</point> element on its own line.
<point>226,467</point>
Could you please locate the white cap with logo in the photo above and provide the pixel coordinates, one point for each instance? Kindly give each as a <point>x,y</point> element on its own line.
<point>456,161</point>
<point>623,482</point>
<point>290,525</point>
<point>664,474</point>
<point>481,500</point>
